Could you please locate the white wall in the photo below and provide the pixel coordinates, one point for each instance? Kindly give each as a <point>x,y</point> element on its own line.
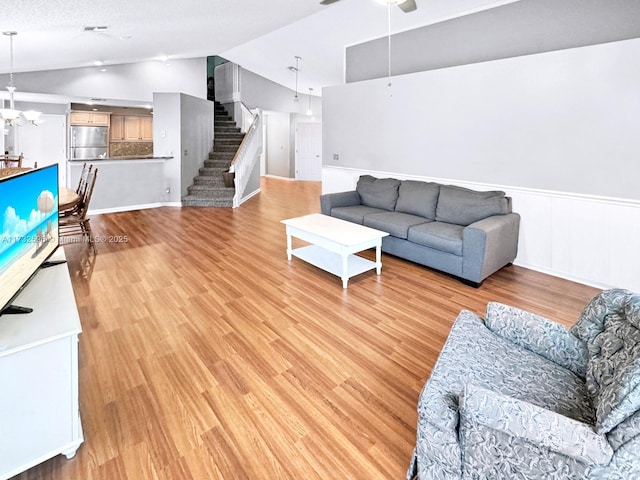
<point>183,129</point>
<point>132,81</point>
<point>565,120</point>
<point>557,131</point>
<point>123,185</point>
<point>197,137</point>
<point>259,92</point>
<point>167,142</point>
<point>278,132</point>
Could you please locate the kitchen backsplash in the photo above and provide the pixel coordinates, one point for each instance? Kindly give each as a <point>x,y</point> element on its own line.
<point>130,149</point>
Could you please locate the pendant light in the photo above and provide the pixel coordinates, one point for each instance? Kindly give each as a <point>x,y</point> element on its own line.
<point>295,70</point>
<point>309,111</point>
<point>10,115</point>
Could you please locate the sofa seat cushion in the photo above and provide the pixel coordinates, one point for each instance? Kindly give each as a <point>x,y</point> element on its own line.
<point>442,236</point>
<point>418,198</point>
<point>463,206</point>
<point>354,213</point>
<point>378,192</point>
<point>394,223</point>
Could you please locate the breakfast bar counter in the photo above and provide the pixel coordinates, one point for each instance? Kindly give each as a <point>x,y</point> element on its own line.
<point>127,183</point>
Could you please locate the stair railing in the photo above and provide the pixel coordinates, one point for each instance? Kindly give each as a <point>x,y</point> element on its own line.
<point>246,118</point>
<point>244,161</point>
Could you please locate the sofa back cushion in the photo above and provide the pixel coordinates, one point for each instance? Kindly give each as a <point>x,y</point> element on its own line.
<point>378,192</point>
<point>418,198</point>
<point>610,326</point>
<point>463,206</point>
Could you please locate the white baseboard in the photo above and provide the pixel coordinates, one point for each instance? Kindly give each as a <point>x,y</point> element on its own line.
<point>247,197</point>
<point>129,208</point>
<point>289,179</point>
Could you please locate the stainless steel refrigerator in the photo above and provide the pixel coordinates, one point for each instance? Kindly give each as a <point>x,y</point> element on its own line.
<point>89,142</point>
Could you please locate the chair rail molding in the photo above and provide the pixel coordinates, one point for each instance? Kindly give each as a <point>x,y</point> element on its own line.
<point>584,238</point>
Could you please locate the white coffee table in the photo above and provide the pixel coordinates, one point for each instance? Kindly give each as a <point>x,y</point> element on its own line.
<point>334,243</point>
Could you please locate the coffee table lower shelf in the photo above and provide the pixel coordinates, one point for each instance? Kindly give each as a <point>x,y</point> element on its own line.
<point>332,262</point>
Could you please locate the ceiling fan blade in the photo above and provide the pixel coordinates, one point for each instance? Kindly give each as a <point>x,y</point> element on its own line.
<point>328,2</point>
<point>408,6</point>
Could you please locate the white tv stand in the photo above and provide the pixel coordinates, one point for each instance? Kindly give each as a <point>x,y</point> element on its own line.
<point>39,411</point>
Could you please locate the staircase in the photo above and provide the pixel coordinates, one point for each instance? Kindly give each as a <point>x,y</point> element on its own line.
<point>208,188</point>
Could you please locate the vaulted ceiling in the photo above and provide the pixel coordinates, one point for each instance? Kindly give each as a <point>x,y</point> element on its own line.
<point>263,36</point>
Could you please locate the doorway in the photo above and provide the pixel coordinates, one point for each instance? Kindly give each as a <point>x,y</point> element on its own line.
<point>45,144</point>
<point>277,144</point>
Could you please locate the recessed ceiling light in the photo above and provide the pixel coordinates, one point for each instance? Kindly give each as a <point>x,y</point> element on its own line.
<point>164,58</point>
<point>103,69</point>
<point>391,2</point>
<point>95,28</point>
<point>98,63</point>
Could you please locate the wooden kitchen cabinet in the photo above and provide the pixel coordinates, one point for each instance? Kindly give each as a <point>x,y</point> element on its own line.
<point>138,128</point>
<point>146,129</point>
<point>90,118</point>
<point>116,132</point>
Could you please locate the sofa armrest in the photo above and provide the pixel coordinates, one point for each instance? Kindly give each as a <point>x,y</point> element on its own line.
<point>538,335</point>
<point>491,422</point>
<point>488,245</point>
<point>329,201</point>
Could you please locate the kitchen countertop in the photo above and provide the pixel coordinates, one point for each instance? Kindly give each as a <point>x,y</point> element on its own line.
<point>130,157</point>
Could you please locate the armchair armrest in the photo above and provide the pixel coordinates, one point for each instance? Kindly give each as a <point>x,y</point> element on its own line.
<point>486,414</point>
<point>538,335</point>
<point>488,245</point>
<point>339,199</point>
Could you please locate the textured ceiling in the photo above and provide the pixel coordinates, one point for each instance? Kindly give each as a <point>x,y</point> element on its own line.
<point>321,39</point>
<point>50,36</point>
<point>263,36</point>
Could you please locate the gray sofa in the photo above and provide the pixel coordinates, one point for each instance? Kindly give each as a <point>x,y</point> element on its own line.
<point>515,395</point>
<point>466,233</point>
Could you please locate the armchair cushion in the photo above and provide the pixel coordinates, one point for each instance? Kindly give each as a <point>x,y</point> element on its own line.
<point>475,355</point>
<point>538,335</point>
<point>490,421</point>
<point>500,405</point>
<point>610,326</point>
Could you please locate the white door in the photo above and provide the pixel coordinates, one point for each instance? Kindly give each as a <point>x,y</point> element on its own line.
<point>309,151</point>
<point>45,144</point>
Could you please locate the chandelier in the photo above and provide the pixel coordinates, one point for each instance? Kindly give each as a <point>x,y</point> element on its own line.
<point>10,115</point>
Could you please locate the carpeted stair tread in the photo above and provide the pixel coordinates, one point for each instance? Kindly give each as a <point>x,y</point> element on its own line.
<point>208,189</point>
<point>194,201</point>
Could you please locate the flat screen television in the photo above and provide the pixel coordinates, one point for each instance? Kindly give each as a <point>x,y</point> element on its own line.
<point>28,229</point>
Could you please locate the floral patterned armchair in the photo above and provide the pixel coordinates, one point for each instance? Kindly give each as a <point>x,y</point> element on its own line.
<point>519,396</point>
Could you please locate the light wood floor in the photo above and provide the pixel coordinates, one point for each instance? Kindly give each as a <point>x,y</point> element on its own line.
<point>206,355</point>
